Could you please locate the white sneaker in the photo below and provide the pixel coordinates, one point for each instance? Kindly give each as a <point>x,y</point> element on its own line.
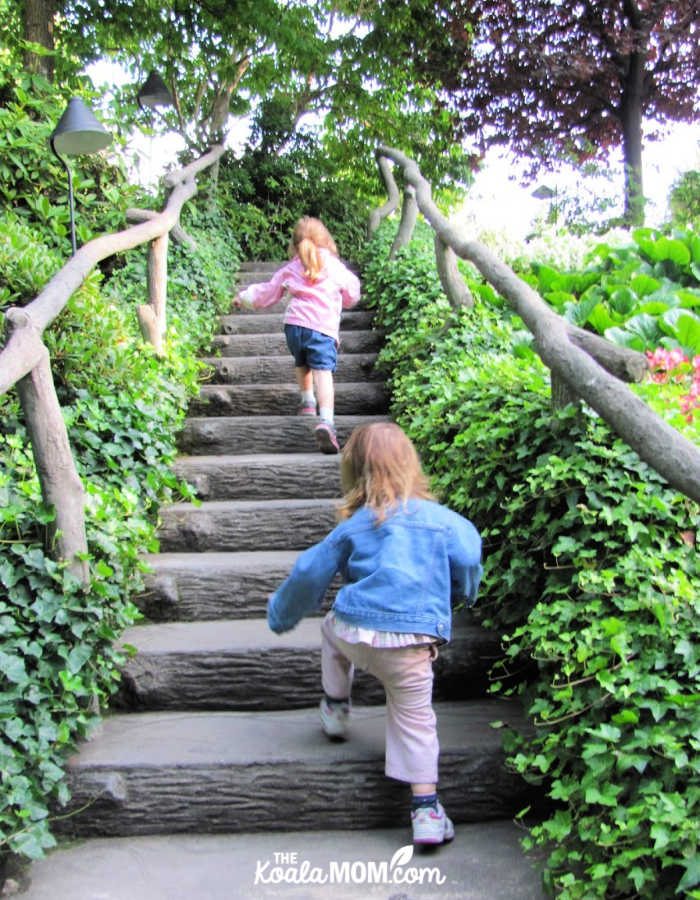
<point>431,826</point>
<point>334,718</point>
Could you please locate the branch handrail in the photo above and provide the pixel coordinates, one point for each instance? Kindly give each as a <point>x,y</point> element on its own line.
<point>572,358</point>
<point>24,360</point>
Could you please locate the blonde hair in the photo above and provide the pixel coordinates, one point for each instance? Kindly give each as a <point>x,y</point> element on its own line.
<point>308,237</point>
<point>380,469</point>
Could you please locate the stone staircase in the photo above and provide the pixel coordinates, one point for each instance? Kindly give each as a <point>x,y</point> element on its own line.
<point>216,728</point>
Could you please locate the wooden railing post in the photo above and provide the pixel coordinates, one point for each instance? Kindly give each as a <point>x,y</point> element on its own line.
<point>377,215</point>
<point>409,214</point>
<point>453,284</point>
<point>152,316</point>
<point>61,487</point>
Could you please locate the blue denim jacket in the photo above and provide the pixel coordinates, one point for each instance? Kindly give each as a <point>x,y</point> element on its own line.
<point>400,575</point>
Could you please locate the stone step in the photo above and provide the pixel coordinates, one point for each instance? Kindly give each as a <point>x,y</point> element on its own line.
<point>261,434</point>
<point>351,398</point>
<point>262,265</point>
<point>261,476</point>
<point>266,265</point>
<point>484,862</point>
<point>183,587</point>
<point>275,344</point>
<point>264,321</point>
<point>232,772</point>
<point>273,369</point>
<point>238,664</point>
<point>240,525</point>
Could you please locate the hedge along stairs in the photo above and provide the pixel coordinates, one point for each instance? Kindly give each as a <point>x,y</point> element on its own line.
<point>216,728</point>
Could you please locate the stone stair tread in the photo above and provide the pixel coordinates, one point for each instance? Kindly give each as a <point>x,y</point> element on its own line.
<point>261,434</point>
<point>264,321</point>
<point>273,343</point>
<point>484,862</point>
<point>193,739</point>
<point>211,665</point>
<point>210,584</point>
<point>245,506</point>
<point>258,476</point>
<point>221,634</point>
<point>320,460</point>
<point>232,635</point>
<point>252,560</point>
<point>272,369</point>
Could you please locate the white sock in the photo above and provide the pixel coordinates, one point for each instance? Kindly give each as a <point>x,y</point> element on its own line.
<point>308,397</point>
<point>326,414</point>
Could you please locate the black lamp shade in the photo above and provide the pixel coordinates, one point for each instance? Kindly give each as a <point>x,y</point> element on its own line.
<point>154,92</point>
<point>78,131</point>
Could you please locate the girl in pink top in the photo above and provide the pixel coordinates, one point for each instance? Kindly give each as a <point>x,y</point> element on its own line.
<point>321,286</point>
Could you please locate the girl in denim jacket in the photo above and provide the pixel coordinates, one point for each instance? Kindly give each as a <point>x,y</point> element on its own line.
<point>321,286</point>
<point>403,559</point>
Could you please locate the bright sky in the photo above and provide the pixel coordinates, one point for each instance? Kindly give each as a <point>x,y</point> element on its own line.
<point>501,200</point>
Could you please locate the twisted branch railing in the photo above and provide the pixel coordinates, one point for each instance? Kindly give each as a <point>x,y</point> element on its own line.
<point>589,366</point>
<point>24,360</point>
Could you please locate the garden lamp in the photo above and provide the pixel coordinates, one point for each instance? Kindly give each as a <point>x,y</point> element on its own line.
<point>77,132</point>
<point>154,92</point>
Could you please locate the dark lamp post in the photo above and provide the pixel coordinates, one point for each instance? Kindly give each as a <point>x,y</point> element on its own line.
<point>154,92</point>
<point>77,132</point>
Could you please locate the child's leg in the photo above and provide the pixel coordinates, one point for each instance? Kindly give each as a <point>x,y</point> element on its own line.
<point>326,437</point>
<point>306,388</point>
<point>325,393</point>
<point>412,747</point>
<point>336,669</point>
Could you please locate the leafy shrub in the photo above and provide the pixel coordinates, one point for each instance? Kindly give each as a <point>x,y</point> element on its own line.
<point>591,575</point>
<point>265,193</point>
<point>123,408</point>
<point>32,181</point>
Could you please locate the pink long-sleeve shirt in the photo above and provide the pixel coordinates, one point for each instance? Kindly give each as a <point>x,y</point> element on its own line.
<point>313,304</point>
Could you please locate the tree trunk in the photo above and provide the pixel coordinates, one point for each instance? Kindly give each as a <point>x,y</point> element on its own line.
<point>37,27</point>
<point>631,119</point>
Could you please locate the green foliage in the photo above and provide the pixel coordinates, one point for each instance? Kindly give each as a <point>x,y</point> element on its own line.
<point>641,296</point>
<point>684,200</point>
<point>122,408</point>
<point>591,575</point>
<point>32,181</point>
<point>264,194</point>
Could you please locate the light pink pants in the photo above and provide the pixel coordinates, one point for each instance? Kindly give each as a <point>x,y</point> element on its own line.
<point>412,746</point>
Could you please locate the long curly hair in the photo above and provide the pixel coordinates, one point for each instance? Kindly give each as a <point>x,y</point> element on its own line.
<point>308,237</point>
<point>380,468</point>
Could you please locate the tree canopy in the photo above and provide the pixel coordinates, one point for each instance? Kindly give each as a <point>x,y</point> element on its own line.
<point>553,79</point>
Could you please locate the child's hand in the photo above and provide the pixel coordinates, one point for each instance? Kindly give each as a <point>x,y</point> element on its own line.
<point>237,302</point>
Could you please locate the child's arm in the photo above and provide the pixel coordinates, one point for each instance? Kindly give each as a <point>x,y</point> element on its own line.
<point>465,561</point>
<point>303,590</point>
<point>350,290</point>
<point>264,293</point>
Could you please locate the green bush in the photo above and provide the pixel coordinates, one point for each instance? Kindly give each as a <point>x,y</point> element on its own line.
<point>123,408</point>
<point>591,575</point>
<point>265,193</point>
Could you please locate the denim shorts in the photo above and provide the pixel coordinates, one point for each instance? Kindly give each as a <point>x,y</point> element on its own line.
<point>311,348</point>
